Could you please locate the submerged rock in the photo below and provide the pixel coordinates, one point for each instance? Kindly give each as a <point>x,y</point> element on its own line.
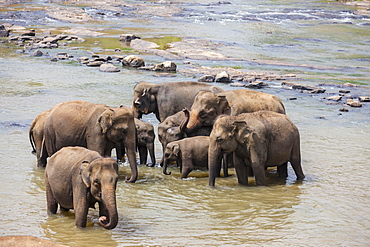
<point>353,103</point>
<point>223,77</point>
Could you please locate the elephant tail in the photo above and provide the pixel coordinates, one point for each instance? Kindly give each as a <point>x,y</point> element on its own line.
<point>32,141</point>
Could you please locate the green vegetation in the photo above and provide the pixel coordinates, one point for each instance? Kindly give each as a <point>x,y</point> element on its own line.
<point>163,42</point>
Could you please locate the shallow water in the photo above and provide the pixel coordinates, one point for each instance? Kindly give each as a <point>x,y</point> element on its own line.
<point>329,208</point>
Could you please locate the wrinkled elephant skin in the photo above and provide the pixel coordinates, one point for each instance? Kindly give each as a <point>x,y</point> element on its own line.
<point>94,126</point>
<point>78,178</point>
<point>165,99</point>
<point>259,140</point>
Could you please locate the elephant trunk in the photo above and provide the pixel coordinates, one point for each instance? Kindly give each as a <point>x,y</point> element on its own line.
<point>190,123</point>
<point>165,162</point>
<point>110,220</point>
<point>214,162</point>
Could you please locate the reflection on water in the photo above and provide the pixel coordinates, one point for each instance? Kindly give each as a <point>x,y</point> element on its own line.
<point>329,208</point>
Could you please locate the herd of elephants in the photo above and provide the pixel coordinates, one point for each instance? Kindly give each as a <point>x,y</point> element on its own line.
<point>242,128</point>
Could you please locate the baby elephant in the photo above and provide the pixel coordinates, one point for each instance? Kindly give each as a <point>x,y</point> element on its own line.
<point>188,153</point>
<point>76,178</point>
<point>145,141</point>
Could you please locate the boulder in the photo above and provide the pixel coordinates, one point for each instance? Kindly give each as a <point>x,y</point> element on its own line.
<point>353,103</point>
<point>364,98</point>
<point>133,61</point>
<point>223,77</point>
<point>166,66</point>
<point>37,53</point>
<point>334,98</point>
<point>94,63</point>
<point>128,37</point>
<point>105,67</point>
<point>3,31</point>
<point>207,78</point>
<point>257,84</point>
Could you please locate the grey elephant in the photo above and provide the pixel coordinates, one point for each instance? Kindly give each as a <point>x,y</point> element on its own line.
<point>77,178</point>
<point>188,153</point>
<point>36,135</point>
<point>259,140</point>
<point>208,105</point>
<point>94,126</point>
<point>145,137</point>
<point>165,99</point>
<point>170,130</point>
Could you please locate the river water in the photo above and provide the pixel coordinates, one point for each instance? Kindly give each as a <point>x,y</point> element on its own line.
<point>318,41</point>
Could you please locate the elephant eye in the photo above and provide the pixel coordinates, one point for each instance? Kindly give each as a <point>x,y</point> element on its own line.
<point>219,139</point>
<point>96,181</point>
<point>202,114</point>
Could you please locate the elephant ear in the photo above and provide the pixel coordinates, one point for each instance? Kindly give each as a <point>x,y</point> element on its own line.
<point>176,149</point>
<point>241,131</point>
<point>223,104</point>
<point>85,173</point>
<point>105,120</point>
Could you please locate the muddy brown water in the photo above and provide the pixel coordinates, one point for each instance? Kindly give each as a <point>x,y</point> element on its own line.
<point>329,208</point>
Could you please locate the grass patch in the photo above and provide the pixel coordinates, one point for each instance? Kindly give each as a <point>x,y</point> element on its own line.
<point>163,42</point>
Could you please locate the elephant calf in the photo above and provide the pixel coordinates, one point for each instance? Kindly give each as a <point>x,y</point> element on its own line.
<point>259,140</point>
<point>145,141</point>
<point>76,178</point>
<point>188,153</point>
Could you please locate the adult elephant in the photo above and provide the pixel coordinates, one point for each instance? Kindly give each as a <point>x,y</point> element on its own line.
<point>259,140</point>
<point>36,135</point>
<point>94,126</point>
<point>165,99</point>
<point>78,178</point>
<point>208,105</point>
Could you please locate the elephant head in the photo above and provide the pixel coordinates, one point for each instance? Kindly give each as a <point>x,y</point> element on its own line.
<point>144,101</point>
<point>100,176</point>
<point>204,111</point>
<point>227,136</point>
<point>172,153</point>
<point>118,126</point>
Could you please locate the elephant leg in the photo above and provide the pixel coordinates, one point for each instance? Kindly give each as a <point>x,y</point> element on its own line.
<point>259,174</point>
<point>283,170</point>
<point>81,207</point>
<point>52,204</point>
<point>143,154</point>
<point>241,170</point>
<point>296,164</point>
<point>227,162</point>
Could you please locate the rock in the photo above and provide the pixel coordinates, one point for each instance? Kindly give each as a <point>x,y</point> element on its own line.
<point>223,77</point>
<point>344,91</point>
<point>128,37</point>
<point>353,103</point>
<point>335,98</point>
<point>83,60</point>
<point>30,33</point>
<point>37,53</point>
<point>311,89</point>
<point>207,78</point>
<point>133,61</point>
<point>292,98</point>
<point>166,66</point>
<point>105,67</point>
<point>237,84</point>
<point>3,31</point>
<point>257,84</point>
<point>94,63</point>
<point>350,85</point>
<point>343,109</point>
<point>364,98</point>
